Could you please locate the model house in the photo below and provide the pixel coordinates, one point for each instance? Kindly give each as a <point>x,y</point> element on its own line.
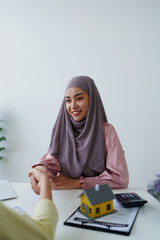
<point>97,201</point>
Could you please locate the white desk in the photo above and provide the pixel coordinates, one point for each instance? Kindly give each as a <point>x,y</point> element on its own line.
<point>146,226</point>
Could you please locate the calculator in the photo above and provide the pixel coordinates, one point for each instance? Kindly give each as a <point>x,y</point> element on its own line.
<point>130,199</point>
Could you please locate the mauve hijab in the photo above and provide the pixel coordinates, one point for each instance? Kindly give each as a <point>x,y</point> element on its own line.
<point>79,146</point>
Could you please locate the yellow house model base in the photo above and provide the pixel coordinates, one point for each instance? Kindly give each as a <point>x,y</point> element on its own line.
<point>96,202</point>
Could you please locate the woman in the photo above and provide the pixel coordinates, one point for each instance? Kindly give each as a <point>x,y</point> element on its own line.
<point>84,149</point>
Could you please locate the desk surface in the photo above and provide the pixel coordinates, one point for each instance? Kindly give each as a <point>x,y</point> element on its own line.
<point>146,226</point>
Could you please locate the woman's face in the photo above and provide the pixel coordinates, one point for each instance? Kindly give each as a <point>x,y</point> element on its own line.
<point>77,103</point>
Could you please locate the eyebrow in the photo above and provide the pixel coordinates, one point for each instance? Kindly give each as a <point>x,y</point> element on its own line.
<point>77,94</point>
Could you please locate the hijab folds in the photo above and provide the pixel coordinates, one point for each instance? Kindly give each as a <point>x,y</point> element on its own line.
<point>79,146</point>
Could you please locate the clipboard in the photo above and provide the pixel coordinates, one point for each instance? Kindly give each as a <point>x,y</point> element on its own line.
<point>120,221</point>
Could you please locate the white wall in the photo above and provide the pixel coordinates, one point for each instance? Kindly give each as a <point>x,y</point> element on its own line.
<point>44,43</point>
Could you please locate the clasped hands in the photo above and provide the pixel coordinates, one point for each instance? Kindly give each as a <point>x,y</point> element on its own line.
<point>58,182</point>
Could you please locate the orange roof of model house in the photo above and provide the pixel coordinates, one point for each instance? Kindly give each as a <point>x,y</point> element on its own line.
<point>97,201</point>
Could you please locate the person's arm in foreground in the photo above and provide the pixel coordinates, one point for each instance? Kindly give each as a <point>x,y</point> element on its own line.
<point>22,226</point>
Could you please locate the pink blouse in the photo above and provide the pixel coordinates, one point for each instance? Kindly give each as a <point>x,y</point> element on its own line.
<point>116,171</point>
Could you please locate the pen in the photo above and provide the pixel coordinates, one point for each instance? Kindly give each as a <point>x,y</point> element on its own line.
<point>107,224</point>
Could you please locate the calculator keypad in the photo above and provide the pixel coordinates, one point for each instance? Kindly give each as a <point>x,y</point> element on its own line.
<point>130,199</point>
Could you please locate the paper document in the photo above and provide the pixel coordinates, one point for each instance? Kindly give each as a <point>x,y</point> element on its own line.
<point>120,221</point>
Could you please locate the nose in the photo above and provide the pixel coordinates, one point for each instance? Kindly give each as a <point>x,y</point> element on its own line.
<point>73,104</point>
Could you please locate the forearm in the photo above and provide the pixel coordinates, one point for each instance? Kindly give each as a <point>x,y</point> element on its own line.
<point>63,182</point>
<point>77,184</point>
<point>51,163</point>
<point>114,180</point>
<point>45,187</point>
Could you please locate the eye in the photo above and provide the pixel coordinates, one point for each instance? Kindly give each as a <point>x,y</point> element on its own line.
<point>68,100</point>
<point>80,98</point>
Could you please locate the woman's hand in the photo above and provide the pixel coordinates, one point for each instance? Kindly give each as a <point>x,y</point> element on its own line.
<point>41,182</point>
<point>62,182</point>
<point>34,180</point>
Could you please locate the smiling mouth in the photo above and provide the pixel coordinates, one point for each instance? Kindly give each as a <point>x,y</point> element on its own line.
<point>75,113</point>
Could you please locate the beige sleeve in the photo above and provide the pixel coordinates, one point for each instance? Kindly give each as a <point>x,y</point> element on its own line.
<point>15,226</point>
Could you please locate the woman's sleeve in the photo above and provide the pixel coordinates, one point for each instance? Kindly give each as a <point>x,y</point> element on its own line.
<point>116,171</point>
<point>51,163</point>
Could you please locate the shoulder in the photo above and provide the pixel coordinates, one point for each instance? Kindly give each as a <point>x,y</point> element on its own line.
<point>109,131</point>
<point>108,128</point>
